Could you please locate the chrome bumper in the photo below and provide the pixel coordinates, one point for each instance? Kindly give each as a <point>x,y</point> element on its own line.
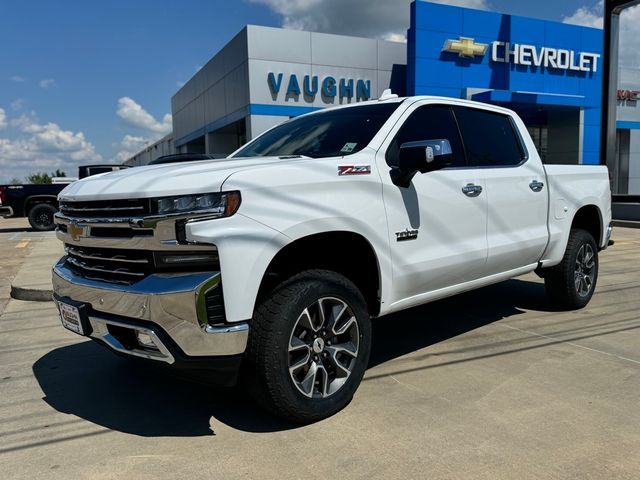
<point>173,302</point>
<point>607,240</point>
<point>6,211</point>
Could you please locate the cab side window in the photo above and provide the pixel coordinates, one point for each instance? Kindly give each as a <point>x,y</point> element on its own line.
<point>489,138</point>
<point>430,122</point>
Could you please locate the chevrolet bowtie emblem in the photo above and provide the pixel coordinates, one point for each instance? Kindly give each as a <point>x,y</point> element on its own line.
<point>75,231</point>
<point>465,47</point>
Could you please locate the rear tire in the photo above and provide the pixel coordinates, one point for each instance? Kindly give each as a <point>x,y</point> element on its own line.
<point>41,217</point>
<point>571,283</point>
<point>309,346</point>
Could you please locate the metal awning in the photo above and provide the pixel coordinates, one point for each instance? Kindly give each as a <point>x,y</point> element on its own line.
<point>516,96</point>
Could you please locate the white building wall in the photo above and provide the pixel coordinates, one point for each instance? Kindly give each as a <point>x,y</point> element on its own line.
<point>257,124</point>
<point>222,91</point>
<point>317,55</point>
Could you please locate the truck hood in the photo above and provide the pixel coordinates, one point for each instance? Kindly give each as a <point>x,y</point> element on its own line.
<point>165,179</point>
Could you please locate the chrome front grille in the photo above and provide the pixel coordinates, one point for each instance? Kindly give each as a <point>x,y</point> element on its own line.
<point>111,265</point>
<point>107,208</point>
<point>124,242</point>
<point>119,241</point>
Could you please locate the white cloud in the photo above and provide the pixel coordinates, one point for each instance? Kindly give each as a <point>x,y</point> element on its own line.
<point>133,114</point>
<point>47,83</point>
<point>39,146</point>
<point>17,79</point>
<point>132,144</point>
<point>151,129</point>
<point>23,121</point>
<point>385,19</point>
<point>591,16</point>
<point>3,119</point>
<point>587,16</point>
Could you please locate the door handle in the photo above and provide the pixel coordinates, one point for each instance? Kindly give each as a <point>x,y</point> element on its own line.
<point>536,186</point>
<point>472,190</point>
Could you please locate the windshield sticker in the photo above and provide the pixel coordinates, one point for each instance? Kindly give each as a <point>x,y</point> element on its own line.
<point>354,169</point>
<point>348,147</point>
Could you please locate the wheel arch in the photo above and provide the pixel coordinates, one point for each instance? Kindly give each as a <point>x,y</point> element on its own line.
<point>34,200</point>
<point>347,253</point>
<point>589,218</point>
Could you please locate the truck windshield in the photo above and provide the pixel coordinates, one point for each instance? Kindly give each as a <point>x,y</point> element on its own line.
<point>331,133</point>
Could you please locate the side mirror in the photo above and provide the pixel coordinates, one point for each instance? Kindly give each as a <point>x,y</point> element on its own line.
<point>422,156</point>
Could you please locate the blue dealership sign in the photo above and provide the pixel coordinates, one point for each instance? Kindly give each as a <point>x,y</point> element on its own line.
<point>487,56</point>
<point>345,88</point>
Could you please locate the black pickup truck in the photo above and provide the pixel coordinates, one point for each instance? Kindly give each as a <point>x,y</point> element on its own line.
<point>39,202</point>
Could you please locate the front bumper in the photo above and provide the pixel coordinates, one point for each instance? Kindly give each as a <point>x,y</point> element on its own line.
<point>166,307</point>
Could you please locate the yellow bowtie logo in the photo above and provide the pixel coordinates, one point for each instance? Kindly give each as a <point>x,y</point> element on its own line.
<point>465,47</point>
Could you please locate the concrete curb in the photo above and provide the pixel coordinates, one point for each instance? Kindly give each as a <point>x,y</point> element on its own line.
<point>33,280</point>
<point>31,294</point>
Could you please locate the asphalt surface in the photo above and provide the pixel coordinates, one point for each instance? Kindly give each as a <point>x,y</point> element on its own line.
<point>491,384</point>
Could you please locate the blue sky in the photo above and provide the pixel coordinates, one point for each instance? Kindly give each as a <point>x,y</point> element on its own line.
<point>65,66</point>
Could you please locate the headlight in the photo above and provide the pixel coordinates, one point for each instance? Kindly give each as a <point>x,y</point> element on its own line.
<point>215,205</point>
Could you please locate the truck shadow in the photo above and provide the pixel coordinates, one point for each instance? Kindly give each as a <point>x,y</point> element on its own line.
<point>90,382</point>
<point>416,328</point>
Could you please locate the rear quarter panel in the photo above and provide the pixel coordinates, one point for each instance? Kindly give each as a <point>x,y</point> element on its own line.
<point>572,187</point>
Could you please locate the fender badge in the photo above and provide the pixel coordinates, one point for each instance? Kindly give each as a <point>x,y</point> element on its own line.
<point>406,234</point>
<point>354,169</point>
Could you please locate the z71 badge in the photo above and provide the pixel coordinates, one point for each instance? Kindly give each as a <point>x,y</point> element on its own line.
<point>354,169</point>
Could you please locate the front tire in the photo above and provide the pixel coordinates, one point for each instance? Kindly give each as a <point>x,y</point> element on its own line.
<point>309,346</point>
<point>41,217</point>
<point>571,283</point>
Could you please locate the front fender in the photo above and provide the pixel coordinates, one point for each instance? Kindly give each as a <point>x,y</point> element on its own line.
<point>245,247</point>
<point>308,197</point>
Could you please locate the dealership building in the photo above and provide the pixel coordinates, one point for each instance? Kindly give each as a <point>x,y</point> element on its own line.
<point>550,73</point>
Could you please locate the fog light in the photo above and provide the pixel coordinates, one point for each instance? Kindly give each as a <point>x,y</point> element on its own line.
<point>145,340</point>
<point>196,259</point>
<point>182,259</point>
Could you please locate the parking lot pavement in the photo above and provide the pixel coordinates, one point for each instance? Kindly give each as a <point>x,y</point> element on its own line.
<point>34,253</point>
<point>13,250</point>
<point>490,384</point>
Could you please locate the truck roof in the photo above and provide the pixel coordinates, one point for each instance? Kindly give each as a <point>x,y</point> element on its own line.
<point>416,98</point>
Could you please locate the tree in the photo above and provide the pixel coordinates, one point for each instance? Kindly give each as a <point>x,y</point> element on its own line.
<point>15,181</point>
<point>39,177</point>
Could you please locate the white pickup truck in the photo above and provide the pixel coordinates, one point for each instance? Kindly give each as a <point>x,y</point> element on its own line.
<point>268,266</point>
